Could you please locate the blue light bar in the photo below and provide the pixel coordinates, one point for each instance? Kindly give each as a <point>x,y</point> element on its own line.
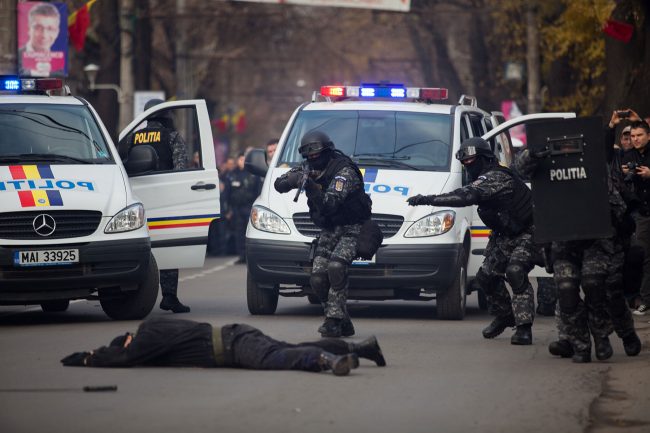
<point>11,84</point>
<point>383,91</point>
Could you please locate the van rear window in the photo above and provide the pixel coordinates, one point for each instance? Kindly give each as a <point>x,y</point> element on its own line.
<point>392,139</point>
<point>49,132</point>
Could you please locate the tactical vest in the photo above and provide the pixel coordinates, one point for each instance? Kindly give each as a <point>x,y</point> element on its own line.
<point>512,215</point>
<point>160,140</point>
<point>357,206</point>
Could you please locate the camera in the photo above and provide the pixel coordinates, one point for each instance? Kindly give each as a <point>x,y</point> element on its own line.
<point>632,174</point>
<point>623,113</point>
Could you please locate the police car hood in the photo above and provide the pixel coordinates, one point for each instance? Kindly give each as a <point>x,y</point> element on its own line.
<point>97,187</point>
<point>388,189</point>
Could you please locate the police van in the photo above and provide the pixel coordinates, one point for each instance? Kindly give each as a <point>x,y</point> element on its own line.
<point>404,140</point>
<point>78,222</point>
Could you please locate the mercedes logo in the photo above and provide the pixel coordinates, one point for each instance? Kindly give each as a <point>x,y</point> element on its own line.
<point>44,225</point>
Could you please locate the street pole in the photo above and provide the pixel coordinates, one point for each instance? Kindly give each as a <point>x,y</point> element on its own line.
<point>126,62</point>
<point>532,58</point>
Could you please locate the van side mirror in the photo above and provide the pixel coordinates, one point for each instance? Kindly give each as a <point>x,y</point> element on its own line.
<point>255,162</point>
<point>141,159</point>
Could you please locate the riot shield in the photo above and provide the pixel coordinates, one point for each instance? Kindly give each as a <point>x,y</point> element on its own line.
<point>570,194</point>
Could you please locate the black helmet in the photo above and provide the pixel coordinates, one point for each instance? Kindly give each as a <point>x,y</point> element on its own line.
<point>313,143</point>
<point>474,146</point>
<point>165,114</point>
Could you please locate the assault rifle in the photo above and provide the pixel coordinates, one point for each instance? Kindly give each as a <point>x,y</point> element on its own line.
<point>304,168</point>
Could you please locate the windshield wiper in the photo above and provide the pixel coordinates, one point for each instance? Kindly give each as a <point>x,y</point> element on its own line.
<point>386,162</point>
<point>42,157</point>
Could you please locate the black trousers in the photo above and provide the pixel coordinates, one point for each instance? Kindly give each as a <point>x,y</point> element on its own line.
<point>248,347</point>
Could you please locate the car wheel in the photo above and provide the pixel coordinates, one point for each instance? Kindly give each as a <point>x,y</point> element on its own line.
<point>450,305</point>
<point>134,305</point>
<point>57,306</point>
<point>260,300</point>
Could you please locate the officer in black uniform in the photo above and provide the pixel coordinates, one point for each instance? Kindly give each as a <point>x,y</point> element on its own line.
<point>505,206</point>
<point>241,188</point>
<point>338,205</point>
<point>161,134</point>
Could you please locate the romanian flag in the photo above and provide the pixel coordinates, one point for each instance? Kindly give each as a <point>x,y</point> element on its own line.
<point>180,221</point>
<point>34,198</point>
<point>480,231</point>
<point>78,23</point>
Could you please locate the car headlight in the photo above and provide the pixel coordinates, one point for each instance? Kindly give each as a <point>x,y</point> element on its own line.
<point>268,221</point>
<point>432,225</point>
<point>130,218</point>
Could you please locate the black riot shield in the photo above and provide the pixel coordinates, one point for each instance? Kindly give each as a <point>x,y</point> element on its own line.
<point>570,194</point>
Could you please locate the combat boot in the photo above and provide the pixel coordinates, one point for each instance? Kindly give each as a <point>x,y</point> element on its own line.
<point>581,357</point>
<point>340,365</point>
<point>603,348</point>
<point>347,328</point>
<point>498,325</point>
<point>172,303</point>
<point>561,348</point>
<point>632,344</point>
<point>523,336</point>
<point>330,328</point>
<point>369,349</point>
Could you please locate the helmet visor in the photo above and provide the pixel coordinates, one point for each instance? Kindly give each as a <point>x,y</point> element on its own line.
<point>311,148</point>
<point>466,153</point>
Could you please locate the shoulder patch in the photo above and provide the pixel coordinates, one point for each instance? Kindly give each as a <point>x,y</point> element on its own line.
<point>479,180</point>
<point>339,183</point>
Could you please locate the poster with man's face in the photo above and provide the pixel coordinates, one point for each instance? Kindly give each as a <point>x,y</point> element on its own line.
<point>42,39</point>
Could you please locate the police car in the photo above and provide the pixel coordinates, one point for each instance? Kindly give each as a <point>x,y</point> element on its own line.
<point>404,140</point>
<point>78,223</point>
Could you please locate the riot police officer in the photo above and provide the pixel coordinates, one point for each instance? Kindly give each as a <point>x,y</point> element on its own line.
<point>338,205</point>
<point>172,155</point>
<point>241,188</point>
<point>505,206</point>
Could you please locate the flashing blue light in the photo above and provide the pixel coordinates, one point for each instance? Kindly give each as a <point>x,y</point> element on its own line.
<point>11,84</point>
<point>383,92</point>
<point>367,92</point>
<point>398,93</point>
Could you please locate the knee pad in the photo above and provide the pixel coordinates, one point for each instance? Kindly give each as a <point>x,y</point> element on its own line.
<point>517,277</point>
<point>337,273</point>
<point>568,296</point>
<point>320,284</point>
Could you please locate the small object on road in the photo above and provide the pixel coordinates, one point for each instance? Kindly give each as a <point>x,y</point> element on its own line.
<point>98,388</point>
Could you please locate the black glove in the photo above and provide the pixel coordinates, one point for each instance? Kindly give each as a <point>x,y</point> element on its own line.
<point>418,200</point>
<point>311,187</point>
<point>294,178</point>
<point>540,154</point>
<point>76,359</point>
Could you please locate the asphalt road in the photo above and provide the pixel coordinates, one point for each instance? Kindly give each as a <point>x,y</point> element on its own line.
<point>442,376</point>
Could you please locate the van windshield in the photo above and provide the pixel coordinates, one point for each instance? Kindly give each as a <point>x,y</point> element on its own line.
<point>395,139</point>
<point>63,134</point>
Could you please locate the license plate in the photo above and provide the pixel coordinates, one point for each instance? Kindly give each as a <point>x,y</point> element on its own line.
<point>364,262</point>
<point>46,257</point>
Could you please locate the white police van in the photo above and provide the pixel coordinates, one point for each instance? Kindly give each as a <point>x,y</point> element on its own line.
<point>77,223</point>
<point>404,141</point>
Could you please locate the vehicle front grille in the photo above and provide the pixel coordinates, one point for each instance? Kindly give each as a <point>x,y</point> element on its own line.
<point>69,224</point>
<point>389,224</point>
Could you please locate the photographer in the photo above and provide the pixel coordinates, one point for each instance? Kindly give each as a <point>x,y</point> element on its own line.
<point>636,167</point>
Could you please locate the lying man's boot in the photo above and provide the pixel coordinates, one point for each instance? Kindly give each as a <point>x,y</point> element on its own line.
<point>581,357</point>
<point>330,328</point>
<point>172,303</point>
<point>369,349</point>
<point>561,348</point>
<point>498,325</point>
<point>523,336</point>
<point>340,365</point>
<point>632,344</point>
<point>603,348</point>
<point>347,328</point>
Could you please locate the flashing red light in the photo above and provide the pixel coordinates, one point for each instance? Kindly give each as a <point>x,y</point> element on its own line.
<point>334,91</point>
<point>49,83</point>
<point>433,93</point>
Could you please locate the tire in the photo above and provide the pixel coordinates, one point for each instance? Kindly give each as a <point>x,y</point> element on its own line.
<point>260,301</point>
<point>450,305</point>
<point>58,306</point>
<point>133,305</point>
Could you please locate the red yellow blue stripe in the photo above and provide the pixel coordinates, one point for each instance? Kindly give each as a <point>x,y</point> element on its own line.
<point>180,221</point>
<point>36,198</point>
<point>480,231</point>
<point>369,174</point>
